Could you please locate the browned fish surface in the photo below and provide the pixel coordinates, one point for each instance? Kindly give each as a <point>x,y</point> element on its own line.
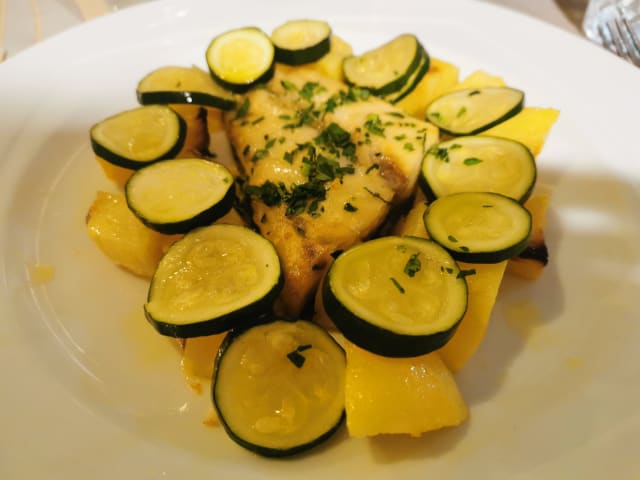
<point>324,165</point>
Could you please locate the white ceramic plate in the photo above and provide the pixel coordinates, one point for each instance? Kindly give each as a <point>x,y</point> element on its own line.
<point>90,391</point>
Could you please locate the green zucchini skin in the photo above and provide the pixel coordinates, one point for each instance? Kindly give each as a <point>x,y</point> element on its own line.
<point>259,77</point>
<point>254,313</point>
<point>247,309</point>
<point>392,86</point>
<point>301,54</point>
<point>413,81</point>
<point>252,446</point>
<point>458,202</point>
<point>186,97</point>
<point>378,340</point>
<point>204,217</point>
<point>505,115</point>
<point>121,161</point>
<point>425,182</point>
<point>383,332</point>
<point>183,85</point>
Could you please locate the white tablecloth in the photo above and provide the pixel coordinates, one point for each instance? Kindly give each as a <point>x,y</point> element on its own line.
<point>25,22</point>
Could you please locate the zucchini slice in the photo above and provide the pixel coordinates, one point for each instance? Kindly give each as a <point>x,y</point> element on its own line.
<point>479,227</point>
<point>213,279</point>
<point>396,296</point>
<point>178,85</point>
<point>241,58</point>
<point>135,138</point>
<point>478,164</point>
<point>413,80</point>
<point>278,387</point>
<point>177,195</point>
<point>471,111</point>
<point>298,42</point>
<point>386,69</point>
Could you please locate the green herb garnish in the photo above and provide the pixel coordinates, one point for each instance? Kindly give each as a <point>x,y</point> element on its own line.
<point>466,273</point>
<point>397,284</point>
<point>471,161</point>
<point>244,109</point>
<point>413,265</point>
<point>296,357</point>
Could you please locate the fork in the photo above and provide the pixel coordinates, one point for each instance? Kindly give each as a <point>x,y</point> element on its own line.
<point>618,36</point>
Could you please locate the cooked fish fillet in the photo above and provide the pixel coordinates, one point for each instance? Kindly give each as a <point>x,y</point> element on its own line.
<point>324,166</point>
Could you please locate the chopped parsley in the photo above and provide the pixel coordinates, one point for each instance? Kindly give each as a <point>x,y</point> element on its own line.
<point>349,207</point>
<point>263,152</point>
<point>440,153</point>
<point>373,125</point>
<point>373,166</point>
<point>377,195</point>
<point>296,357</point>
<point>436,116</point>
<point>397,284</point>
<point>466,273</point>
<point>305,116</point>
<point>413,265</point>
<point>288,85</point>
<point>244,109</point>
<point>471,161</point>
<point>309,89</point>
<point>269,193</point>
<point>337,141</point>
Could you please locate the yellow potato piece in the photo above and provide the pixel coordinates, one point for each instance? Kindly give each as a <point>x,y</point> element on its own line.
<point>196,142</point>
<point>117,174</point>
<point>198,356</point>
<point>122,237</point>
<point>399,395</point>
<point>531,268</point>
<point>531,127</point>
<point>478,79</point>
<point>441,77</point>
<point>483,289</point>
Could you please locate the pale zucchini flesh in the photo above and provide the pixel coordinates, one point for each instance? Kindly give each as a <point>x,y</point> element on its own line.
<point>137,137</point>
<point>278,387</point>
<point>213,279</point>
<point>240,58</point>
<point>298,42</point>
<point>189,85</point>
<point>412,81</point>
<point>479,227</point>
<point>396,296</point>
<point>473,110</point>
<point>177,195</point>
<point>386,69</point>
<point>478,164</point>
